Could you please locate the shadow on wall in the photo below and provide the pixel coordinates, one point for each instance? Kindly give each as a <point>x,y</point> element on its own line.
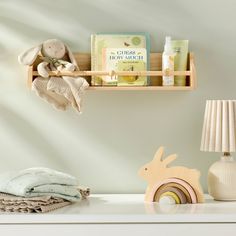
<point>32,137</point>
<point>34,21</point>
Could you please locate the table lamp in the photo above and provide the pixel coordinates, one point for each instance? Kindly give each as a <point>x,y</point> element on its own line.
<point>219,135</point>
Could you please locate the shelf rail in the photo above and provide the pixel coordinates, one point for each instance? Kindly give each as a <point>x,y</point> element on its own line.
<point>115,73</point>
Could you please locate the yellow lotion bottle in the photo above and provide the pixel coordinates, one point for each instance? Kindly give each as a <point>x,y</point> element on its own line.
<point>180,48</point>
<point>168,64</point>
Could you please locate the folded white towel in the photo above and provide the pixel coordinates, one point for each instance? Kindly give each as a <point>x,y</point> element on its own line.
<point>34,182</point>
<point>61,92</point>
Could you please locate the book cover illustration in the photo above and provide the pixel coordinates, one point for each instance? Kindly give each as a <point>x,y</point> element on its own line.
<point>119,52</point>
<point>125,59</point>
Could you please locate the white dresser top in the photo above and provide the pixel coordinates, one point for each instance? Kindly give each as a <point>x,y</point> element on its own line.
<point>129,208</point>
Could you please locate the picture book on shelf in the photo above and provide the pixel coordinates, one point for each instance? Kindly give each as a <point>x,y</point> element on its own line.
<point>120,52</point>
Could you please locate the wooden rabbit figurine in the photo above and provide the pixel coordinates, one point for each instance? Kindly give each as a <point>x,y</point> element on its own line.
<point>179,183</point>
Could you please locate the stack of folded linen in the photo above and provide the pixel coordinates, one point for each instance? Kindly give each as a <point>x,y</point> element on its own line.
<point>38,190</point>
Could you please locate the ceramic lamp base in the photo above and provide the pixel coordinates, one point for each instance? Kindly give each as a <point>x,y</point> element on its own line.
<point>222,179</point>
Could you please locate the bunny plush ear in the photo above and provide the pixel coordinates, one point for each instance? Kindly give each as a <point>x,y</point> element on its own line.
<point>71,57</point>
<point>28,57</point>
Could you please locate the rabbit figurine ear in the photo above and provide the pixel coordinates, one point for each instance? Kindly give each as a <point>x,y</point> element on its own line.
<point>28,57</point>
<point>159,154</point>
<point>71,57</point>
<point>169,159</point>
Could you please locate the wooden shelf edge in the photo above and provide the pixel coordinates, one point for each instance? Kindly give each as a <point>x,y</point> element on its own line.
<point>141,88</point>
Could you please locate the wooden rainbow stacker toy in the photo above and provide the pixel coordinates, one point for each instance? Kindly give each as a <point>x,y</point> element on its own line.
<point>172,185</point>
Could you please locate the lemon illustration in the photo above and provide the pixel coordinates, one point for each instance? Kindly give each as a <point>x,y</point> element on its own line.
<point>129,79</point>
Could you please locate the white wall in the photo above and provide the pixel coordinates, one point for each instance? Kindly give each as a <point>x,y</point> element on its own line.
<point>118,131</point>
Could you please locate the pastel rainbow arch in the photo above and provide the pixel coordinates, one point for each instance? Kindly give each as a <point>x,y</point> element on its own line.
<point>177,189</point>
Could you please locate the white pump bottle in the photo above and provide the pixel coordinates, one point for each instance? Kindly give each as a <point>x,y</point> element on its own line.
<point>168,64</point>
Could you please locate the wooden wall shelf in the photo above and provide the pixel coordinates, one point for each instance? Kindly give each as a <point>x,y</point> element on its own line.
<point>155,73</point>
<point>140,88</point>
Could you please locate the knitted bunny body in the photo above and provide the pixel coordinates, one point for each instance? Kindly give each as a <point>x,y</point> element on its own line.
<point>58,64</point>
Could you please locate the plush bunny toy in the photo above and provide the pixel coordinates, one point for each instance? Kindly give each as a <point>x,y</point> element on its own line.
<point>55,55</point>
<point>59,91</point>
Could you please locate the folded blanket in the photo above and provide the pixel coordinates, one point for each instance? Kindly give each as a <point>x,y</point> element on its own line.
<point>34,182</point>
<point>61,92</point>
<point>11,203</point>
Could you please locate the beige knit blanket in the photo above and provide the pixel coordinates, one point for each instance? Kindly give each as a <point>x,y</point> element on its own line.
<point>11,203</point>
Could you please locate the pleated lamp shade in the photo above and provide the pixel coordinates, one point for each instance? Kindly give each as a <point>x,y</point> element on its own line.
<point>219,127</point>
